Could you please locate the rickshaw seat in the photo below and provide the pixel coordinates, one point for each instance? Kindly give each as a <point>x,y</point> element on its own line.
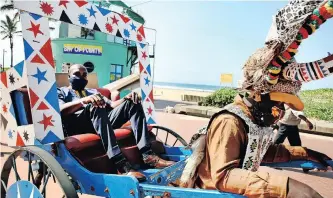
<point>89,151</point>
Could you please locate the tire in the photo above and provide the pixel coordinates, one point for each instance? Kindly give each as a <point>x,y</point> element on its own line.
<point>46,158</point>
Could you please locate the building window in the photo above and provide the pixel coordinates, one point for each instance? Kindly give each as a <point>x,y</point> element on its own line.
<point>90,66</point>
<point>87,33</point>
<point>127,42</point>
<point>116,72</point>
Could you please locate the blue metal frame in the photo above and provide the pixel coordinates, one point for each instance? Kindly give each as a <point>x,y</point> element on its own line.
<point>110,185</point>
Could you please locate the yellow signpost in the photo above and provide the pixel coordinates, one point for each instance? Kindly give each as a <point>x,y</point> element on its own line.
<point>226,78</point>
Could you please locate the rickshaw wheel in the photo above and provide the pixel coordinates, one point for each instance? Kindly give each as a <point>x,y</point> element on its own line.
<point>50,167</point>
<point>163,133</point>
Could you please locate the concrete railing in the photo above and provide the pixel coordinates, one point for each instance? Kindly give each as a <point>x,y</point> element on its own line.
<point>319,127</point>
<point>192,98</point>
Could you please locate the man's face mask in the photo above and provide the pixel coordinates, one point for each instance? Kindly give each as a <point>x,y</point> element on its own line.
<point>78,81</point>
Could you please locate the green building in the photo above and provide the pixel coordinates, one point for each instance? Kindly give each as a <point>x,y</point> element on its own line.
<point>110,57</point>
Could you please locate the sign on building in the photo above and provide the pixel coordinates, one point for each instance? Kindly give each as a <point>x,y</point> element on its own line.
<point>83,49</point>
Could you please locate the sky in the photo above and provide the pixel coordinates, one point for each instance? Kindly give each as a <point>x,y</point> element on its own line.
<point>199,40</point>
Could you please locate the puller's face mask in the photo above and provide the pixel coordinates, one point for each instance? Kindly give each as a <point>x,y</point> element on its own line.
<point>266,112</point>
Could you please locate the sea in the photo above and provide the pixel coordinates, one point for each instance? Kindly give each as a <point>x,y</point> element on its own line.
<point>184,86</point>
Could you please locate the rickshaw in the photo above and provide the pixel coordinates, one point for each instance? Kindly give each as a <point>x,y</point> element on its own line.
<point>31,120</point>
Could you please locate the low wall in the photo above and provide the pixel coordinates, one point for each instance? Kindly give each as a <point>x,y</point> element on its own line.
<point>319,127</point>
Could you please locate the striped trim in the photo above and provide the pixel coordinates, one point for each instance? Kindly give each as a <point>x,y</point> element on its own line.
<point>301,74</point>
<point>292,50</point>
<point>308,29</point>
<point>313,70</point>
<point>319,70</point>
<point>312,27</point>
<point>303,32</point>
<point>309,71</point>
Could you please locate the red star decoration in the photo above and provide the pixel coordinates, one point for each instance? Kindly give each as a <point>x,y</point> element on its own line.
<point>144,55</point>
<point>150,110</point>
<point>63,3</point>
<point>139,37</point>
<point>4,109</point>
<point>46,8</point>
<point>35,29</point>
<point>114,20</point>
<point>108,27</point>
<point>46,121</point>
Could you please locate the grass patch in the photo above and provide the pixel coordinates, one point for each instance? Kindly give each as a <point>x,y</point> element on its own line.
<point>318,103</point>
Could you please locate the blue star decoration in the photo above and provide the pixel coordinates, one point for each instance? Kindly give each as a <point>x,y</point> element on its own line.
<point>83,19</point>
<point>133,26</point>
<point>40,75</point>
<point>126,33</point>
<point>10,134</point>
<point>91,11</point>
<point>147,81</point>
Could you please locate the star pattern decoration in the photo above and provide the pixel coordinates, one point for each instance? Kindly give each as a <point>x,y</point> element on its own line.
<point>91,11</point>
<point>4,108</point>
<point>126,33</point>
<point>63,3</point>
<point>26,135</point>
<point>133,27</point>
<point>10,134</point>
<point>108,27</point>
<point>46,121</point>
<point>139,37</point>
<point>150,110</point>
<point>83,19</point>
<point>40,75</point>
<point>147,81</point>
<point>144,55</point>
<point>35,29</point>
<point>114,20</point>
<point>11,79</point>
<point>46,8</point>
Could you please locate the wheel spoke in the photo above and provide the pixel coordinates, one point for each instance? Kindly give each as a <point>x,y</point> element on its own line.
<point>15,169</point>
<point>175,142</point>
<point>172,133</point>
<point>166,138</point>
<point>31,173</point>
<point>156,131</point>
<point>45,182</point>
<point>44,171</point>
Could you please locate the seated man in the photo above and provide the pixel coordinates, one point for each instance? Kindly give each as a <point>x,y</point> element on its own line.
<point>86,110</point>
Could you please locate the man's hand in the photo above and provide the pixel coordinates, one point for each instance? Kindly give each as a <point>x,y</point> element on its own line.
<point>134,97</point>
<point>319,157</point>
<point>310,125</point>
<point>96,99</point>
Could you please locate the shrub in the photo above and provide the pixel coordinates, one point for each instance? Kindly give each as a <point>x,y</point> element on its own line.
<point>220,98</point>
<point>318,103</point>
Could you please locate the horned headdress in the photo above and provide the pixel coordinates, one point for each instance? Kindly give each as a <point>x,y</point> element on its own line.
<point>273,67</point>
